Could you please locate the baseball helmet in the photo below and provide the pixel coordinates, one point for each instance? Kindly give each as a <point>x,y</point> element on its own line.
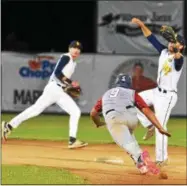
<point>124,81</point>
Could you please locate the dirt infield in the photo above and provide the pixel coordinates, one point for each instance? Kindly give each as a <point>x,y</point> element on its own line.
<point>81,161</point>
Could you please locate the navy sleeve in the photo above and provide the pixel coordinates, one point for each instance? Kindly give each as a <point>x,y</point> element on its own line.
<point>61,64</point>
<point>178,63</point>
<point>153,40</point>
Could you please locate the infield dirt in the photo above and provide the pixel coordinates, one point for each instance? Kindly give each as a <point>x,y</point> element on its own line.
<point>81,161</point>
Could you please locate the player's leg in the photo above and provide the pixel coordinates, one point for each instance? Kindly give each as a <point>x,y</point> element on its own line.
<point>163,107</point>
<point>123,137</point>
<point>148,97</point>
<point>69,105</point>
<point>46,99</point>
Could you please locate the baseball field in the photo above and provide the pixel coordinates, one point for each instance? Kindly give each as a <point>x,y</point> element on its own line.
<point>37,153</point>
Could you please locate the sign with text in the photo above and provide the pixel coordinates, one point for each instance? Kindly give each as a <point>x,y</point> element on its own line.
<point>116,34</point>
<point>96,74</point>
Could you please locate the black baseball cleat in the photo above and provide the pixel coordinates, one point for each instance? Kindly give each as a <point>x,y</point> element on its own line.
<point>6,130</point>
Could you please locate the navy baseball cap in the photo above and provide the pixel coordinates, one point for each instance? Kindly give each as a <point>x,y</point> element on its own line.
<point>75,44</point>
<point>181,40</point>
<point>124,81</point>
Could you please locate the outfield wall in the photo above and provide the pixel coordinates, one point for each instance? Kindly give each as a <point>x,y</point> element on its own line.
<point>25,75</point>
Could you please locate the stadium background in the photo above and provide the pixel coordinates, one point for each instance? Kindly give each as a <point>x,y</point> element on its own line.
<point>39,32</point>
<point>34,35</point>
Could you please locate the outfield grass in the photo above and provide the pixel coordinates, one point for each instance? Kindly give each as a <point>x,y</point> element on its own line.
<point>55,127</point>
<point>38,175</point>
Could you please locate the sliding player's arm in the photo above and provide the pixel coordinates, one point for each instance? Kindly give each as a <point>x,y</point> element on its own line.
<point>140,104</point>
<point>95,114</point>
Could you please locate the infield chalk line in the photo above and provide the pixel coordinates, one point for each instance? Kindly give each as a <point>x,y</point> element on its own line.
<point>110,160</point>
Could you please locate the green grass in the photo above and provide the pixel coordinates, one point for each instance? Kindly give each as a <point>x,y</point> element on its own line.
<point>55,127</point>
<point>52,127</point>
<point>38,175</point>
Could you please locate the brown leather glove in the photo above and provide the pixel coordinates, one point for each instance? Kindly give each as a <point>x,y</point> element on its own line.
<point>74,92</point>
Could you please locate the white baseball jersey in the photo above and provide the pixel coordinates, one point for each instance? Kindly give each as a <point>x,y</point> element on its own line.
<point>65,66</point>
<point>169,69</point>
<point>163,98</point>
<point>168,76</point>
<point>54,94</point>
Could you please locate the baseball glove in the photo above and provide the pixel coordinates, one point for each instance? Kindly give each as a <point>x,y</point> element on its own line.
<point>73,91</point>
<point>168,33</point>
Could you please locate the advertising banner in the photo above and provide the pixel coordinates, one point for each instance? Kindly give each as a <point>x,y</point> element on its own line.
<point>115,33</point>
<point>24,77</point>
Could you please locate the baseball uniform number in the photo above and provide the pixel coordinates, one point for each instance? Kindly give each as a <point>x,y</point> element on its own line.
<point>114,93</point>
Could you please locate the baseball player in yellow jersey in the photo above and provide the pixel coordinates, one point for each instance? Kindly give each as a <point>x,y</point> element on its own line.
<point>164,97</point>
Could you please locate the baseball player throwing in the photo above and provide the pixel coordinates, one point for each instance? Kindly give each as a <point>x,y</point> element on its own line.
<point>118,108</point>
<point>55,92</point>
<point>164,97</point>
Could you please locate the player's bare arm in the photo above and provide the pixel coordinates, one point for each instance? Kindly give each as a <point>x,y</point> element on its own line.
<point>174,48</point>
<point>148,34</point>
<point>149,114</point>
<point>95,117</point>
<point>143,27</point>
<point>95,114</point>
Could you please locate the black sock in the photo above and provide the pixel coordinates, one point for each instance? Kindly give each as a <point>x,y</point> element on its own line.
<point>72,139</point>
<point>9,126</point>
<point>139,159</point>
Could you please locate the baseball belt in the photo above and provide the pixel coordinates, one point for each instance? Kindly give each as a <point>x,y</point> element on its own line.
<point>127,107</point>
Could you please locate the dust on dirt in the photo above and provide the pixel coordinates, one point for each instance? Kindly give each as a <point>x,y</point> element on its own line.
<point>81,161</point>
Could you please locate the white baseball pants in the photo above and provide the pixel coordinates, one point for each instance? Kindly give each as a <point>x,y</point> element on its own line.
<point>52,94</point>
<point>121,128</point>
<point>163,104</point>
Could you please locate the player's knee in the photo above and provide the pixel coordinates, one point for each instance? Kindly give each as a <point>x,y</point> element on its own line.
<point>76,112</point>
<point>37,109</point>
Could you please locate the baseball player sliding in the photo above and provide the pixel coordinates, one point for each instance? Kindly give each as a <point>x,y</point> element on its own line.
<point>56,91</point>
<point>164,97</point>
<point>118,108</point>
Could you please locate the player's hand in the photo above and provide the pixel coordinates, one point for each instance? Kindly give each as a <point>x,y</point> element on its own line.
<point>100,124</point>
<point>75,84</point>
<point>178,55</point>
<point>176,49</point>
<point>137,21</point>
<point>164,132</point>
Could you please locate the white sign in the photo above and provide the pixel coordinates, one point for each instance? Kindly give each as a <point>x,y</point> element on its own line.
<point>115,33</point>
<point>24,77</point>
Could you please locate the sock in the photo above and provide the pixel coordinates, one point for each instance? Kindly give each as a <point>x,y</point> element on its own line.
<point>72,139</point>
<point>9,126</point>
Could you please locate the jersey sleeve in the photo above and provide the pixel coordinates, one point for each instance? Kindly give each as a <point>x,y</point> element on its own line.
<point>139,102</point>
<point>178,63</point>
<point>98,105</point>
<point>64,60</point>
<point>154,41</point>
<point>59,70</point>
